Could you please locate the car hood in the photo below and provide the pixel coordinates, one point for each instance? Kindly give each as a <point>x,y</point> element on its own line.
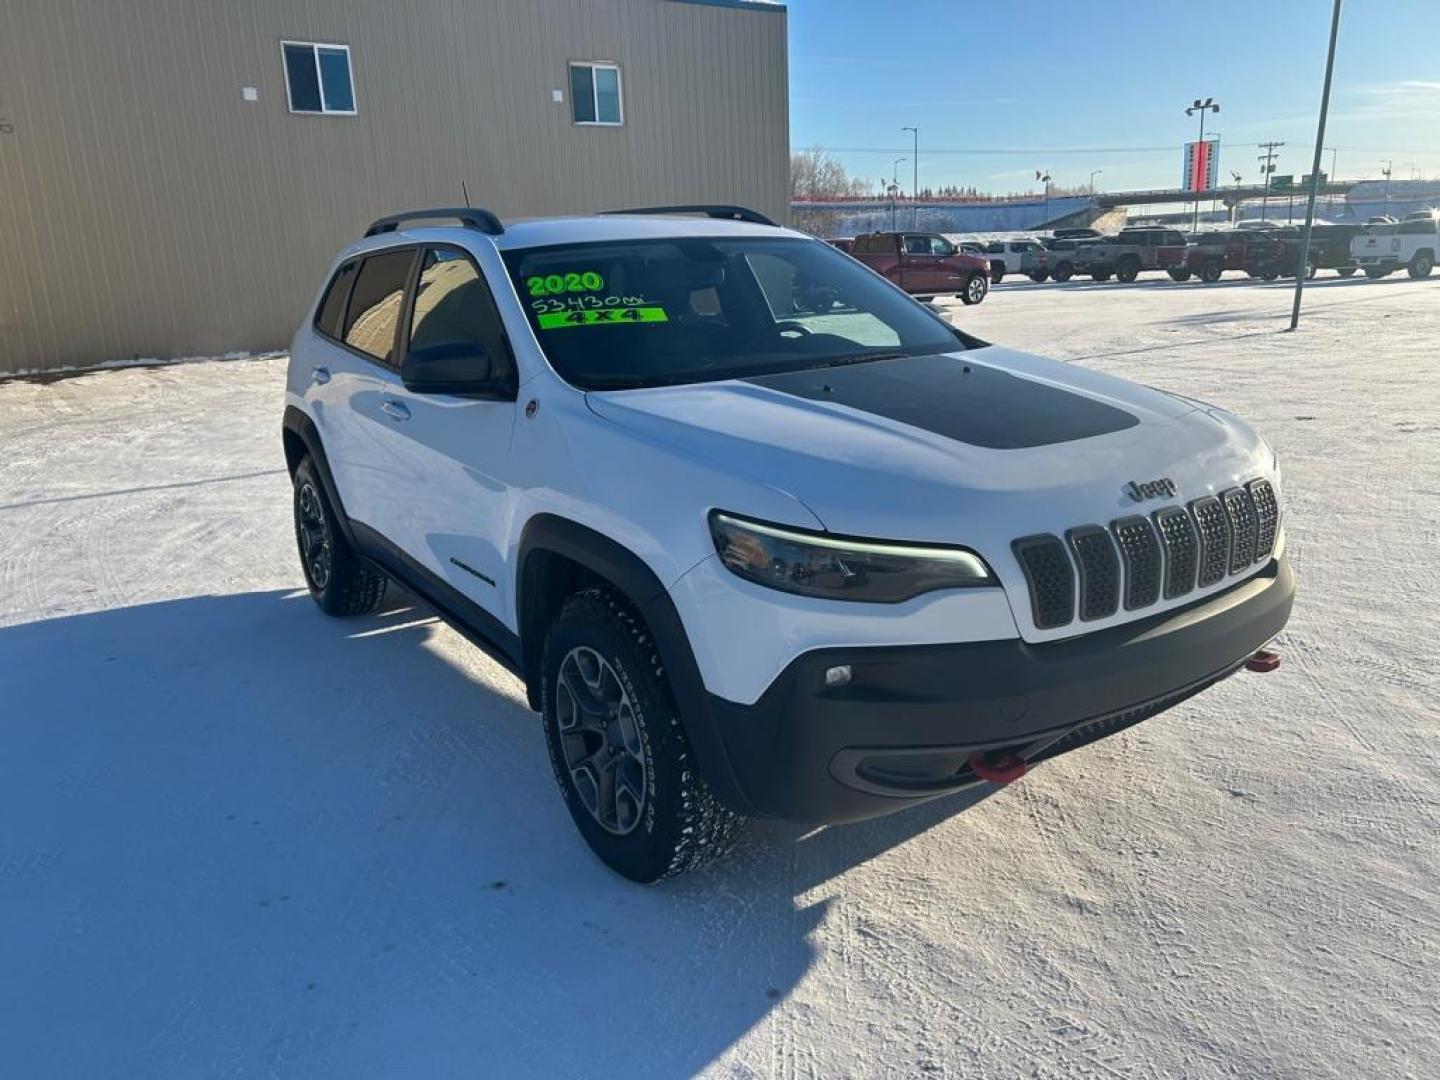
<point>975,447</point>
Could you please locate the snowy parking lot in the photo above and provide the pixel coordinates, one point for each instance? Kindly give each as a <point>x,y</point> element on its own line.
<point>239,838</point>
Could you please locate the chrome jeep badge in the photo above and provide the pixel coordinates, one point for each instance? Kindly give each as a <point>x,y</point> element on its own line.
<point>1140,490</point>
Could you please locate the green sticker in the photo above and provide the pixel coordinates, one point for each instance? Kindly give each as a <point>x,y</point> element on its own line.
<point>560,320</point>
<point>560,284</point>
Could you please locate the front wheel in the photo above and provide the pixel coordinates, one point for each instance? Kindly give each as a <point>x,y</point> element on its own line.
<point>1210,272</point>
<point>1127,272</point>
<point>1270,275</point>
<point>1039,276</point>
<point>1063,272</point>
<point>1100,275</point>
<point>618,745</point>
<point>336,577</point>
<point>1347,271</point>
<point>1421,265</point>
<point>976,289</point>
<point>1179,275</point>
<point>1375,273</point>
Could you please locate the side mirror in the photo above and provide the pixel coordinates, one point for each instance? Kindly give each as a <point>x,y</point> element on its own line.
<point>458,367</point>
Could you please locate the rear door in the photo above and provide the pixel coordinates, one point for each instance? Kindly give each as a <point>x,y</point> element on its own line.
<point>354,373</point>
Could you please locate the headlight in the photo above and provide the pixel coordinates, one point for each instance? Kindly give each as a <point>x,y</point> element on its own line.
<point>841,568</point>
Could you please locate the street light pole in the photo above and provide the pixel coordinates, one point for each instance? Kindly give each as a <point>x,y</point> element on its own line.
<point>1202,107</point>
<point>1045,176</point>
<point>1304,262</point>
<point>915,182</point>
<point>1094,173</point>
<point>1385,172</point>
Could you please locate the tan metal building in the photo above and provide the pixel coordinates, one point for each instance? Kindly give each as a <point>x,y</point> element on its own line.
<point>176,174</point>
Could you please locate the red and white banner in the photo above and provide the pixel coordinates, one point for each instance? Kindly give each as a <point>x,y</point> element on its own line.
<point>1202,165</point>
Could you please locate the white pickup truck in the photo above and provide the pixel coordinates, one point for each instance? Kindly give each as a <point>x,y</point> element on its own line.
<point>1413,243</point>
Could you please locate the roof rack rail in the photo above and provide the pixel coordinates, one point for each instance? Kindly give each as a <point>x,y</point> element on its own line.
<point>719,212</point>
<point>472,217</point>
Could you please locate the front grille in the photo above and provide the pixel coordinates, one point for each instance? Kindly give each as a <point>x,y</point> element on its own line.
<point>1182,550</point>
<point>1244,525</point>
<point>1137,560</point>
<point>1099,571</point>
<point>1050,577</point>
<point>1214,530</point>
<point>1267,509</point>
<point>1140,552</point>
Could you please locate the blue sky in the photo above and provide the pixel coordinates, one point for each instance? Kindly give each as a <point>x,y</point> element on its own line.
<point>1043,78</point>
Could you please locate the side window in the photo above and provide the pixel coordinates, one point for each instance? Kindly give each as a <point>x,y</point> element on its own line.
<point>331,313</point>
<point>375,302</point>
<point>595,94</point>
<point>317,78</point>
<point>455,313</point>
<point>940,246</point>
<point>917,245</point>
<point>1418,227</point>
<point>995,247</point>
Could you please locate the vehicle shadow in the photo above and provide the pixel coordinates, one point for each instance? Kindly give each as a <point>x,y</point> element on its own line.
<point>236,835</point>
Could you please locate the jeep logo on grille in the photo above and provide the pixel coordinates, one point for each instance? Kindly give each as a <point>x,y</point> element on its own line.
<point>1140,490</point>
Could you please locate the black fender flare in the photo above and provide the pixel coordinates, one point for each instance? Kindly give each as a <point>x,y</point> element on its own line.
<point>296,425</point>
<point>633,577</point>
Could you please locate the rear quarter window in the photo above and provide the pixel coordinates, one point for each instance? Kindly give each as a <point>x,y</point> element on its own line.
<point>373,315</point>
<point>330,315</point>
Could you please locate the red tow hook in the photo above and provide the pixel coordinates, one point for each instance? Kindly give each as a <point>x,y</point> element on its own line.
<point>1003,769</point>
<point>1263,660</point>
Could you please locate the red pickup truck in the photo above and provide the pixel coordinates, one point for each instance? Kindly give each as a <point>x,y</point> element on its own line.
<point>924,264</point>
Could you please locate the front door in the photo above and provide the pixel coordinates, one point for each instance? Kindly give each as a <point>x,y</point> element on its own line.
<point>448,514</point>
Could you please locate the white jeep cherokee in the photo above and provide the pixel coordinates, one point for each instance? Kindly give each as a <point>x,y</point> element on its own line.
<point>752,555</point>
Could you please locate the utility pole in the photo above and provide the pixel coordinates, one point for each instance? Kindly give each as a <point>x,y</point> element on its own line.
<point>1202,107</point>
<point>1267,166</point>
<point>894,188</point>
<point>1044,174</point>
<point>915,183</point>
<point>1385,172</point>
<point>1235,209</point>
<point>1303,264</point>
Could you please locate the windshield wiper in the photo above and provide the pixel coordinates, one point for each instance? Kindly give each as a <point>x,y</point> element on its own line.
<point>864,358</point>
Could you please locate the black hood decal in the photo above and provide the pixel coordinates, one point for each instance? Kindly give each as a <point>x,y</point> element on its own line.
<point>958,399</point>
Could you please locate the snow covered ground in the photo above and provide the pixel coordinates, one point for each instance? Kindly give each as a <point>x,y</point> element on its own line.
<point>240,839</point>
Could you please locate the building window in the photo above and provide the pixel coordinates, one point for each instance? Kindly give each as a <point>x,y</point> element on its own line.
<point>595,93</point>
<point>317,78</point>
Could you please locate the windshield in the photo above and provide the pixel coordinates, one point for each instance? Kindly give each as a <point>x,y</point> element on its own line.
<point>624,315</point>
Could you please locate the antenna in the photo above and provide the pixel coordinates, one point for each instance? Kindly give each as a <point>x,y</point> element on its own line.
<point>465,191</point>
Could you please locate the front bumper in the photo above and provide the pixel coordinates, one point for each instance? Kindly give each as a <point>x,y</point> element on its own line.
<point>905,727</point>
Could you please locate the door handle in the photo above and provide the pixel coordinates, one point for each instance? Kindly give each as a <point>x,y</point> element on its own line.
<point>320,374</point>
<point>395,410</point>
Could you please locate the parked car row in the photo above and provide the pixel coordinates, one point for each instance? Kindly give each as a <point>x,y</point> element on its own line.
<point>928,264</point>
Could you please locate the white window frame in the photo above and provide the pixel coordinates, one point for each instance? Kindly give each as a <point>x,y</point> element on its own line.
<point>594,66</point>
<point>315,47</point>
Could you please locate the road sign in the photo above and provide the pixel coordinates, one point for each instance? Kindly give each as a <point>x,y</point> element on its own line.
<point>1282,183</point>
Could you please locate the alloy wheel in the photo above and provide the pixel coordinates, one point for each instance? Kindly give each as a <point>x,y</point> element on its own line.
<point>600,740</point>
<point>315,549</point>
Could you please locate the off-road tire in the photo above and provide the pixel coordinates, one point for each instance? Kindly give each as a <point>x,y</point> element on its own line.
<point>1421,265</point>
<point>681,825</point>
<point>977,287</point>
<point>348,586</point>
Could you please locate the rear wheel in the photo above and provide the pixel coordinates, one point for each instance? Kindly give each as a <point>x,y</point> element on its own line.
<point>1375,273</point>
<point>1127,271</point>
<point>1270,275</point>
<point>337,578</point>
<point>1347,271</point>
<point>1100,275</point>
<point>976,289</point>
<point>1210,272</point>
<point>1421,265</point>
<point>1063,272</point>
<point>1039,276</point>
<point>618,746</point>
<point>1179,275</point>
